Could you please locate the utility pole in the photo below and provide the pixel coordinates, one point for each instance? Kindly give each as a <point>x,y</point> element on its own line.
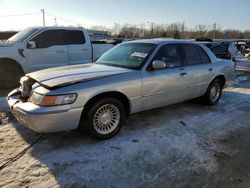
<point>152,29</point>
<point>115,29</point>
<point>214,30</point>
<point>55,22</point>
<point>183,26</point>
<point>143,30</point>
<point>43,17</point>
<point>183,30</point>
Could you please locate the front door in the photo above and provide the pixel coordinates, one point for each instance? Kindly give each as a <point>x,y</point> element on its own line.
<point>165,86</point>
<point>49,51</point>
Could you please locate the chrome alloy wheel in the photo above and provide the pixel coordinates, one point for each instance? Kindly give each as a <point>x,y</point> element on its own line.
<point>106,119</point>
<point>215,92</point>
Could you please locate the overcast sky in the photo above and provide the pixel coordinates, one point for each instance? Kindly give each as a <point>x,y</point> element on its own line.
<point>233,14</point>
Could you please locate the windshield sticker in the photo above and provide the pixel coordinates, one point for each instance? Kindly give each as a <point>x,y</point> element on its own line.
<point>139,54</point>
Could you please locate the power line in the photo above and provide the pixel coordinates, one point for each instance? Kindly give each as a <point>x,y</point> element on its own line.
<point>24,14</point>
<point>67,20</point>
<point>44,13</point>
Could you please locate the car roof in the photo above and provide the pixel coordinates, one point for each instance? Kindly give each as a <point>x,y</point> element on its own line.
<point>161,41</point>
<point>56,27</point>
<point>204,42</point>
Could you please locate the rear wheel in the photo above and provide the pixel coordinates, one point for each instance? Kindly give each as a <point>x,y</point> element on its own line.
<point>10,74</point>
<point>213,93</point>
<point>104,119</point>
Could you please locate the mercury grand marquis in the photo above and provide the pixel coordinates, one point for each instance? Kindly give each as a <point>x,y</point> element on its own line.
<point>130,78</point>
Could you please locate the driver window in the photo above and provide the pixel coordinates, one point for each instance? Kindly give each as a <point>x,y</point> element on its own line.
<point>49,38</point>
<point>171,55</point>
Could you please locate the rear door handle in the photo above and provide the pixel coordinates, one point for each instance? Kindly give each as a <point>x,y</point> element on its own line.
<point>183,73</point>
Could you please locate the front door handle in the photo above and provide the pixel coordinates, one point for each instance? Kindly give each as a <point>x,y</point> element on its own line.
<point>210,69</point>
<point>84,49</point>
<point>60,51</point>
<point>183,74</point>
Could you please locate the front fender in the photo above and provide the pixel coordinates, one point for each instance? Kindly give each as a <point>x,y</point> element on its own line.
<point>16,58</point>
<point>94,94</point>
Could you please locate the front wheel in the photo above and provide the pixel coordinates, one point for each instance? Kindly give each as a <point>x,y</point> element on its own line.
<point>105,118</point>
<point>10,74</point>
<point>213,93</point>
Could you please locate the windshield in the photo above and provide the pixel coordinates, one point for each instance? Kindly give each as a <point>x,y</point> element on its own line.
<point>22,35</point>
<point>130,55</point>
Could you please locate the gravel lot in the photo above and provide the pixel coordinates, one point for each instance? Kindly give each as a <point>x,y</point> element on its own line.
<point>183,145</point>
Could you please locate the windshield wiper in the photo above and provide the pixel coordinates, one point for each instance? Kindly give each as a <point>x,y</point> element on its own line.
<point>116,65</point>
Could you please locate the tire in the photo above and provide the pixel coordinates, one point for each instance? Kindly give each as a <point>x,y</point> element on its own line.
<point>104,118</point>
<point>10,74</point>
<point>213,93</point>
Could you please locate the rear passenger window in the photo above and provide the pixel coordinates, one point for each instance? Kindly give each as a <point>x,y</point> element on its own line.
<point>204,56</point>
<point>195,54</point>
<point>171,55</point>
<point>73,37</point>
<point>192,54</point>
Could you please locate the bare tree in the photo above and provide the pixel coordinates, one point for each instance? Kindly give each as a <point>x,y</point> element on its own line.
<point>202,30</point>
<point>172,30</point>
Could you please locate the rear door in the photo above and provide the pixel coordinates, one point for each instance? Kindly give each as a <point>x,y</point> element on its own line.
<point>199,70</point>
<point>79,50</point>
<point>49,52</point>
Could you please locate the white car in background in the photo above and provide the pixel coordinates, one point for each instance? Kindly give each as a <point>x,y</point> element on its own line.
<point>39,48</point>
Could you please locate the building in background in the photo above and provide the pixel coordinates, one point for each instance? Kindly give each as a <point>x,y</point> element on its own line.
<point>4,35</point>
<point>98,35</point>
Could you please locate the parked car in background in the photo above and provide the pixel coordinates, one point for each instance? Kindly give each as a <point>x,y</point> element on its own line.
<point>130,78</point>
<point>45,47</point>
<point>247,49</point>
<point>220,50</point>
<point>236,47</point>
<point>223,51</point>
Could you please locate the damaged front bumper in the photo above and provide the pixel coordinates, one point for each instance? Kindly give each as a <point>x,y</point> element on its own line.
<point>43,119</point>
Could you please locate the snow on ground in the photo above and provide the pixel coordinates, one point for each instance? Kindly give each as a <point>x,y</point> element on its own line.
<point>174,146</point>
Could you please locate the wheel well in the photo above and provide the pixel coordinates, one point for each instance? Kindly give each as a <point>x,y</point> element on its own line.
<point>222,79</point>
<point>115,94</point>
<point>13,62</point>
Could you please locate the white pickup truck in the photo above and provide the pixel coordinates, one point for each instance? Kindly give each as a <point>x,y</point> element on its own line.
<point>39,48</point>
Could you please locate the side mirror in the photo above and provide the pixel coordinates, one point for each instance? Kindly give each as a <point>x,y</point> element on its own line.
<point>158,64</point>
<point>31,45</point>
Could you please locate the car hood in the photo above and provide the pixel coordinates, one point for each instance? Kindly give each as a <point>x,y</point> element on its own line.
<point>67,75</point>
<point>6,44</point>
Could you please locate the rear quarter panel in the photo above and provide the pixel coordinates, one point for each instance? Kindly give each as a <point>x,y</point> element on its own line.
<point>227,69</point>
<point>221,66</point>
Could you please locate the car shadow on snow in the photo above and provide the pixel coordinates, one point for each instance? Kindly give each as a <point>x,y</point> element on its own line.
<point>134,156</point>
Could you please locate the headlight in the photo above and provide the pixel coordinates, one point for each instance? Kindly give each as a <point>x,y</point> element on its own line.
<point>52,100</point>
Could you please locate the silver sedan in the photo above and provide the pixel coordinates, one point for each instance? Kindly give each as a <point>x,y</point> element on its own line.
<point>130,78</point>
